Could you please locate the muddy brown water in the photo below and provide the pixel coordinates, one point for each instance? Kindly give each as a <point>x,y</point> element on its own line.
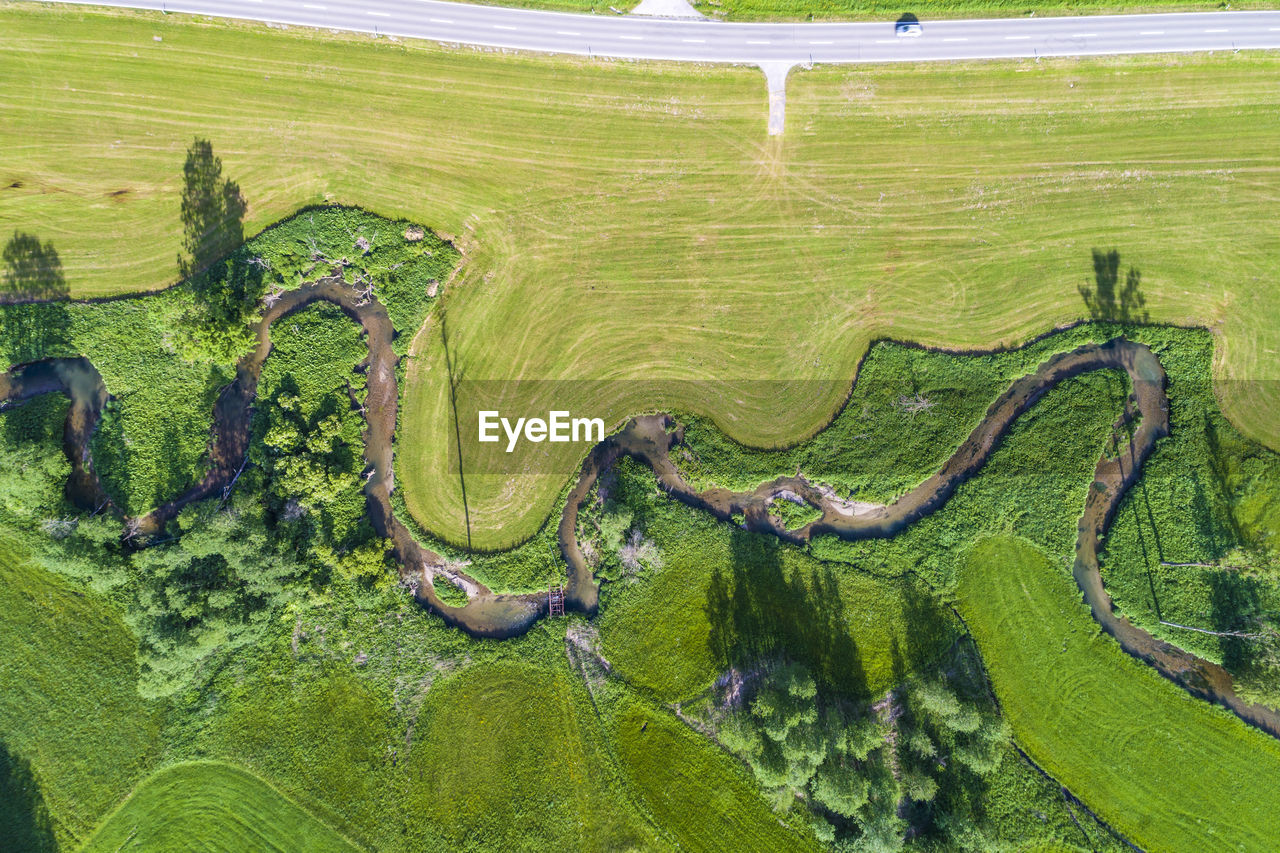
<point>650,439</point>
<point>83,385</point>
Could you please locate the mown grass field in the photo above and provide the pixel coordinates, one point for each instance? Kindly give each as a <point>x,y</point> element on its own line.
<point>401,734</point>
<point>514,763</point>
<point>682,783</point>
<point>1150,755</point>
<point>626,220</point>
<point>212,806</point>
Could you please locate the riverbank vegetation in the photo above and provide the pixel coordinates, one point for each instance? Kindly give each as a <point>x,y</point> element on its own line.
<point>734,692</point>
<point>711,598</point>
<point>774,258</point>
<point>1193,555</point>
<point>342,693</point>
<point>164,376</point>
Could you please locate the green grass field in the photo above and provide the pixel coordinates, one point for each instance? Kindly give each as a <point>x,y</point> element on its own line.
<point>1149,755</point>
<point>628,220</point>
<point>702,797</point>
<point>69,711</point>
<point>401,734</point>
<point>514,763</point>
<point>669,629</point>
<point>211,806</point>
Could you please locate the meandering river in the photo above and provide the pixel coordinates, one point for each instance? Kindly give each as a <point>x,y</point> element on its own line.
<point>650,440</point>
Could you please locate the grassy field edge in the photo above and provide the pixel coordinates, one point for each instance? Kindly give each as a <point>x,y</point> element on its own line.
<point>100,840</point>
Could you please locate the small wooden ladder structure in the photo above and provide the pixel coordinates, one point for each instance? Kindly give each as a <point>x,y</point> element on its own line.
<point>555,601</point>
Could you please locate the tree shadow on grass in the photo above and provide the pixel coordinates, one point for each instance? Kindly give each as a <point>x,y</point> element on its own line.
<point>213,210</point>
<point>227,284</point>
<point>24,819</point>
<point>34,320</point>
<point>1108,299</point>
<point>32,270</point>
<point>757,614</point>
<point>1236,605</point>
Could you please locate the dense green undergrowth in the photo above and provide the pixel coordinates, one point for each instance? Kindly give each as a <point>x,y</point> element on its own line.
<point>705,597</point>
<point>705,616</point>
<point>1195,543</point>
<point>165,357</point>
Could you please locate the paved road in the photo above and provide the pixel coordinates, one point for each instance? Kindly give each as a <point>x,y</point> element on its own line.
<point>712,41</point>
<point>776,48</point>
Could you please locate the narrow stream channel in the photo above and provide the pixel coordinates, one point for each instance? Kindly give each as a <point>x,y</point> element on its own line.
<point>650,439</point>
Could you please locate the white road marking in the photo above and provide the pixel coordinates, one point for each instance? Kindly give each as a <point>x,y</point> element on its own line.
<point>566,33</point>
<point>749,41</point>
<point>955,39</point>
<point>632,38</point>
<point>379,14</point>
<point>503,27</point>
<point>1016,38</point>
<point>1084,35</point>
<point>1216,31</point>
<point>311,6</point>
<point>1151,33</point>
<point>821,42</point>
<point>694,41</point>
<point>440,20</point>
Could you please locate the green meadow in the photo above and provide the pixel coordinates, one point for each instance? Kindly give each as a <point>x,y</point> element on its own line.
<point>215,807</point>
<point>347,714</point>
<point>1092,716</point>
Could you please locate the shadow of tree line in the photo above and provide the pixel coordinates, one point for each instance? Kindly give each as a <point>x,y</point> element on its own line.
<point>227,284</point>
<point>32,323</point>
<point>36,313</point>
<point>24,819</point>
<point>758,614</point>
<point>32,270</point>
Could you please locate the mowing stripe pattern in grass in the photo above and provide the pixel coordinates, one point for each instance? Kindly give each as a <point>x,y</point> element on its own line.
<point>632,221</point>
<point>1148,755</point>
<point>209,805</point>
